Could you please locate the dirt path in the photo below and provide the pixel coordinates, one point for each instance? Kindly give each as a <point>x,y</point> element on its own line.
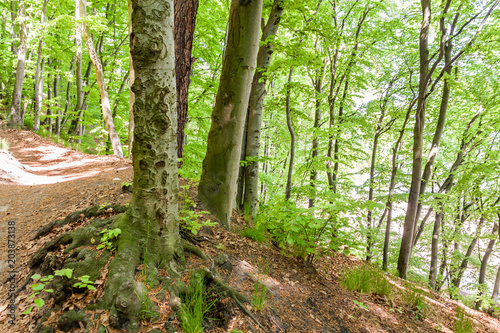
<point>41,181</point>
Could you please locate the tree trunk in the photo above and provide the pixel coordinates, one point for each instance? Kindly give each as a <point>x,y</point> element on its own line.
<point>463,265</point>
<point>106,109</point>
<point>48,120</point>
<point>392,186</point>
<point>435,248</point>
<point>217,188</point>
<point>39,74</point>
<point>13,17</point>
<point>131,124</point>
<point>484,262</point>
<point>150,229</point>
<point>496,287</point>
<point>318,87</point>
<point>185,20</point>
<point>255,107</point>
<point>426,176</point>
<point>288,189</point>
<point>15,110</point>
<point>407,239</point>
<point>57,128</point>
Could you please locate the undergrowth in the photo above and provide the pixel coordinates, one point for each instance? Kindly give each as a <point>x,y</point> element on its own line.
<point>366,279</point>
<point>463,324</point>
<point>195,305</point>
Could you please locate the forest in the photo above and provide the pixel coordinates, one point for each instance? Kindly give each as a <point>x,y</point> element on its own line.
<point>363,127</point>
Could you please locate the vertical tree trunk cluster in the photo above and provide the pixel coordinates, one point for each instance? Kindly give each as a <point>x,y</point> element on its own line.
<point>217,188</point>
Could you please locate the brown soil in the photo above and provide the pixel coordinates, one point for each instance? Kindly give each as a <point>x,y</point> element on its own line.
<point>41,182</point>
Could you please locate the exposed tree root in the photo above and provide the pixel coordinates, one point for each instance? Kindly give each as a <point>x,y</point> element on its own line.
<point>88,212</point>
<point>127,299</point>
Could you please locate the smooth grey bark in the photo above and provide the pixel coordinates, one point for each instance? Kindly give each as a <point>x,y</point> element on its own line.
<point>40,62</point>
<point>78,69</point>
<point>407,238</point>
<point>105,105</point>
<point>435,248</point>
<point>255,107</point>
<point>150,229</point>
<point>48,120</point>
<point>15,110</point>
<point>218,183</point>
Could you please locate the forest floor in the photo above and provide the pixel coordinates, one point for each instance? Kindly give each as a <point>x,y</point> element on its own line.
<point>41,182</point>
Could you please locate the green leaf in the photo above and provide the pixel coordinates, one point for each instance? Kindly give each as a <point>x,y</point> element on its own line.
<point>28,310</point>
<point>36,276</point>
<point>37,287</point>
<point>39,302</point>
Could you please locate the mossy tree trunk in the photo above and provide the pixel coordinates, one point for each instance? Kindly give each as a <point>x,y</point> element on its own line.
<point>150,230</point>
<point>217,189</point>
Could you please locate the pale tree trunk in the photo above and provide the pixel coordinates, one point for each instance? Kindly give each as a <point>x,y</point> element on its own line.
<point>288,188</point>
<point>255,107</point>
<point>68,97</point>
<point>40,62</point>
<point>15,109</point>
<point>185,19</point>
<point>150,229</point>
<point>435,248</point>
<point>106,108</point>
<point>418,143</point>
<point>78,69</point>
<point>218,183</point>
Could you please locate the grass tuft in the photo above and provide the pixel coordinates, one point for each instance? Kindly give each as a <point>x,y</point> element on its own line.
<point>366,279</point>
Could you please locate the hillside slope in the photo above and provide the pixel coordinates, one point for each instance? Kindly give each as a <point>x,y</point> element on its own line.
<point>41,182</point>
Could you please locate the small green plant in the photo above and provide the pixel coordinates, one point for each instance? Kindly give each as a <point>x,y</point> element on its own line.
<point>234,330</point>
<point>108,235</point>
<point>195,305</point>
<point>260,293</point>
<point>41,282</point>
<point>257,233</point>
<point>190,220</point>
<point>414,299</point>
<point>361,305</point>
<point>4,145</point>
<point>84,282</point>
<point>463,324</point>
<point>366,279</point>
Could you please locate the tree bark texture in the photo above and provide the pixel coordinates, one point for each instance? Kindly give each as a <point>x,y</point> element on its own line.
<point>435,248</point>
<point>105,105</point>
<point>15,110</point>
<point>255,107</point>
<point>217,188</point>
<point>288,188</point>
<point>150,230</point>
<point>185,20</point>
<point>407,238</point>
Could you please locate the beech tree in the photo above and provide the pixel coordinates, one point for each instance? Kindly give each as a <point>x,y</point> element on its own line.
<point>150,229</point>
<point>217,188</point>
